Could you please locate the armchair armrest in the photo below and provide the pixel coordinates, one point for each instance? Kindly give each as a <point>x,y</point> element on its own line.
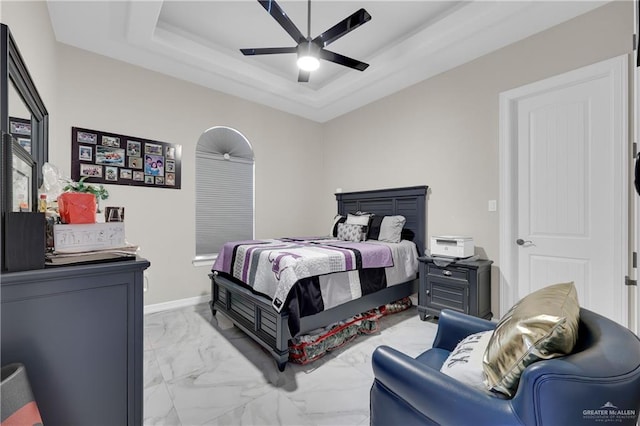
<point>436,395</point>
<point>454,326</point>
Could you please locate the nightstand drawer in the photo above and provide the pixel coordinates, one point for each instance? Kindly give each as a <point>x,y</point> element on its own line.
<point>448,294</point>
<point>448,272</point>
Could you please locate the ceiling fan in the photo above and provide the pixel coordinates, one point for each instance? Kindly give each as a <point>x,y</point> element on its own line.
<point>310,50</point>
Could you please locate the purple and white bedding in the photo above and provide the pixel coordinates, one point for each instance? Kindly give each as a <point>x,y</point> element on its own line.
<point>308,276</point>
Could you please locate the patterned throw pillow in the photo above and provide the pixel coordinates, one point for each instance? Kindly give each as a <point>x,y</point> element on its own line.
<point>350,232</point>
<point>465,361</point>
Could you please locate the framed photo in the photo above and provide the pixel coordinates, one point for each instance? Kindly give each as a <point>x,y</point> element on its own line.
<point>114,214</point>
<point>135,162</point>
<point>171,153</point>
<point>153,165</point>
<point>116,159</point>
<point>171,179</point>
<point>111,141</point>
<point>152,148</point>
<point>111,173</point>
<point>133,149</point>
<point>86,137</point>
<point>85,153</point>
<point>126,174</point>
<point>109,156</point>
<point>90,170</point>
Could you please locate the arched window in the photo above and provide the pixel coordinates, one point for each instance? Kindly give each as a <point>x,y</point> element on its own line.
<point>224,190</point>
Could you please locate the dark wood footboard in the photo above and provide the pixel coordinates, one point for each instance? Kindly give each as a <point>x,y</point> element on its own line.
<point>254,314</point>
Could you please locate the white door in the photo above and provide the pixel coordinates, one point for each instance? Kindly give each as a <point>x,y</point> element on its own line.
<point>569,202</point>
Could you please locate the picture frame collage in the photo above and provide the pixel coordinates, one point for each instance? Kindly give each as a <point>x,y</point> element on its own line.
<point>116,159</point>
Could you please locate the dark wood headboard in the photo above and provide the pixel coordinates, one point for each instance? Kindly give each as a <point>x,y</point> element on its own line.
<point>410,202</point>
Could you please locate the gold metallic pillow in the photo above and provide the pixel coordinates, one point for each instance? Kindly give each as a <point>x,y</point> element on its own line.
<point>542,325</point>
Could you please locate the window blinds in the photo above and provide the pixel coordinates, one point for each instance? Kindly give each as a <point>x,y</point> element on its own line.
<point>224,202</point>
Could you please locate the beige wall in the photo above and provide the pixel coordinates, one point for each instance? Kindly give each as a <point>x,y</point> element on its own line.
<point>443,132</point>
<point>99,93</point>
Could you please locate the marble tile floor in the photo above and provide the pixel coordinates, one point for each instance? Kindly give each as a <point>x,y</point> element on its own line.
<point>201,370</point>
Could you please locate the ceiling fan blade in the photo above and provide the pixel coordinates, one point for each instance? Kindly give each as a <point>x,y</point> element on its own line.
<point>268,50</point>
<point>343,27</point>
<point>342,60</point>
<point>303,76</point>
<point>278,14</point>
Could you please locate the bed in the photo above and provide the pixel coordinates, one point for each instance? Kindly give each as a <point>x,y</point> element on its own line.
<point>255,314</point>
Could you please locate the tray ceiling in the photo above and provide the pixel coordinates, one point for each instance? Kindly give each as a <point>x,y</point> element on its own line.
<point>405,42</point>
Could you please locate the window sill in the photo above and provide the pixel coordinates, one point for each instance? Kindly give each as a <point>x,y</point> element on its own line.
<point>204,260</point>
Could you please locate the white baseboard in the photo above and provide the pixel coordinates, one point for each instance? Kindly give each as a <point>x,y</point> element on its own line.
<point>176,304</point>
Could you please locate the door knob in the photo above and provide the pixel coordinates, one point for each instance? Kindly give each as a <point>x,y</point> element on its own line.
<point>522,242</point>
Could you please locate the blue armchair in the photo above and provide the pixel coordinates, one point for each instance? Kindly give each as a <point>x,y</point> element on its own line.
<point>599,380</point>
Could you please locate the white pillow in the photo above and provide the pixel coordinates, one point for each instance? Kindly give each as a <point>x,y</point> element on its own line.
<point>464,363</point>
<point>391,229</point>
<point>353,219</point>
<point>334,226</point>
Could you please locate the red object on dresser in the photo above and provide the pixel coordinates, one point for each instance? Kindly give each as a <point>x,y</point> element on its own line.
<point>77,207</point>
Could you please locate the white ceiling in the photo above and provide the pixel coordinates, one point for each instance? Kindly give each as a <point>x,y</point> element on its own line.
<point>405,42</point>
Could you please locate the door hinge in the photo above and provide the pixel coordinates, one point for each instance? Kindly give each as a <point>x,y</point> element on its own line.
<point>635,149</point>
<point>628,281</point>
<point>635,42</point>
<point>634,259</point>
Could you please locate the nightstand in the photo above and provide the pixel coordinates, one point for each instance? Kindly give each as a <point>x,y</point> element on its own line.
<point>463,286</point>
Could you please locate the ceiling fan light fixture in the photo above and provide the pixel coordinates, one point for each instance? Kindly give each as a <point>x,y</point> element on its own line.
<point>311,50</point>
<point>308,54</point>
<point>308,63</point>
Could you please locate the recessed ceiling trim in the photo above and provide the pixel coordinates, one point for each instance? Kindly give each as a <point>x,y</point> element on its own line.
<point>132,31</point>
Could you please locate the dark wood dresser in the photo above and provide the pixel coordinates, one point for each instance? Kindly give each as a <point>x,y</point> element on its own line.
<point>79,332</point>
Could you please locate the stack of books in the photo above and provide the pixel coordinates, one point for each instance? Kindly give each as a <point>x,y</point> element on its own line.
<point>57,258</point>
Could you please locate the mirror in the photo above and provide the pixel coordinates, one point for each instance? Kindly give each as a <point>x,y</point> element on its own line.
<point>25,121</point>
<point>24,127</point>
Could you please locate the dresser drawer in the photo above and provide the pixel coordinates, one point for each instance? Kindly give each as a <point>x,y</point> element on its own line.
<point>448,272</point>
